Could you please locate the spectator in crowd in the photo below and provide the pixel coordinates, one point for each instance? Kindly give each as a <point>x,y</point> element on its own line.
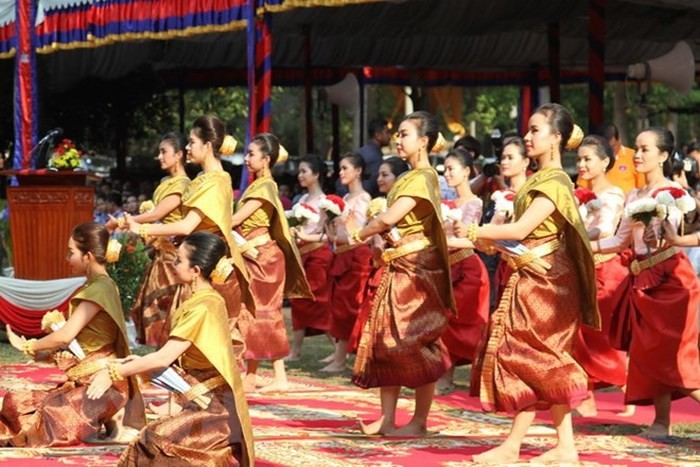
<point>99,215</point>
<point>113,204</point>
<point>131,204</point>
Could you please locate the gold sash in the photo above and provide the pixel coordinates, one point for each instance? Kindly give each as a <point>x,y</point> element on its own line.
<point>638,266</point>
<point>460,255</point>
<point>309,247</point>
<point>540,251</point>
<point>391,254</point>
<point>260,240</point>
<point>600,258</point>
<point>346,247</point>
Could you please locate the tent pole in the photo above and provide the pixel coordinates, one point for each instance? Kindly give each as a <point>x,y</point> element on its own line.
<point>554,47</point>
<point>596,62</point>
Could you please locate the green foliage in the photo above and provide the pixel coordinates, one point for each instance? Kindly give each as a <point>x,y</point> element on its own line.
<point>128,272</point>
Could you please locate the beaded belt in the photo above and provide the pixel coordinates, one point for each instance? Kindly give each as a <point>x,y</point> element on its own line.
<point>346,247</point>
<point>309,247</point>
<point>460,255</point>
<point>196,392</point>
<point>600,258</point>
<point>87,368</point>
<point>391,254</point>
<point>260,240</point>
<point>540,251</point>
<point>638,266</point>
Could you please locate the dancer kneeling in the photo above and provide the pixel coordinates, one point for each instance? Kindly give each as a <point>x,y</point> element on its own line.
<point>213,427</point>
<point>95,332</point>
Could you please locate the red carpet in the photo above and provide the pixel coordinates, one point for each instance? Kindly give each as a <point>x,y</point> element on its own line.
<point>315,425</point>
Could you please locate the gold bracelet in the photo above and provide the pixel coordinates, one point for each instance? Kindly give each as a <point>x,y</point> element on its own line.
<point>472,232</point>
<point>143,230</point>
<point>114,374</point>
<point>121,222</point>
<point>28,347</point>
<point>355,236</point>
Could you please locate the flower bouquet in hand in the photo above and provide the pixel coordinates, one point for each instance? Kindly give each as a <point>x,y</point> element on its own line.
<point>301,213</point>
<point>332,206</point>
<point>377,207</point>
<point>450,212</point>
<point>674,200</point>
<point>53,321</point>
<point>587,201</point>
<point>644,210</point>
<point>503,203</point>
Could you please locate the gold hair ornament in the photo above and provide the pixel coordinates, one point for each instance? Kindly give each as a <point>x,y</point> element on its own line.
<point>146,206</point>
<point>440,143</point>
<point>575,139</point>
<point>228,146</point>
<point>223,269</point>
<point>114,248</point>
<point>283,155</point>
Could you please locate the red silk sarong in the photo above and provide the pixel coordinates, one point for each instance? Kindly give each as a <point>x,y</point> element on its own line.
<point>350,273</point>
<point>526,362</point>
<point>604,364</point>
<point>663,353</point>
<point>263,331</point>
<point>470,285</point>
<point>314,316</point>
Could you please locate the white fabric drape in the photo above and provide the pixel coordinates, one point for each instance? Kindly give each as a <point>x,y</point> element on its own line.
<point>38,295</point>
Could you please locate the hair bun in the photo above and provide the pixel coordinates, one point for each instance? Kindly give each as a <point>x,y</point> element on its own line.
<point>575,139</point>
<point>228,146</point>
<point>440,143</point>
<point>283,155</point>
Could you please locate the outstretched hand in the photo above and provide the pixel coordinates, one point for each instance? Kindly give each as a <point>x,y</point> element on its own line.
<point>101,382</point>
<point>131,225</point>
<point>650,237</point>
<point>15,341</point>
<point>670,234</point>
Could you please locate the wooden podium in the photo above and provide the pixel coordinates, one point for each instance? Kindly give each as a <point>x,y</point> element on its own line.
<point>44,208</point>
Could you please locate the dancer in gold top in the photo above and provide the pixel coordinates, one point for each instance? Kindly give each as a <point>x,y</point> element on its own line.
<point>213,427</point>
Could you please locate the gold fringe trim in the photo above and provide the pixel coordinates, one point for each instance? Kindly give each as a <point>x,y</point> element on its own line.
<point>9,54</point>
<point>291,4</point>
<point>460,255</point>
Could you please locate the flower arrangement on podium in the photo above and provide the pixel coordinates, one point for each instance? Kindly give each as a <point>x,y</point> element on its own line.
<point>66,156</point>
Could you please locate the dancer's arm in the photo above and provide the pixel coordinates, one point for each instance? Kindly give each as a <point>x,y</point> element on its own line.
<point>183,227</point>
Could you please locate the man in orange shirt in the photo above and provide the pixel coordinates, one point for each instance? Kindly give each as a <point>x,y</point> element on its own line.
<point>622,174</point>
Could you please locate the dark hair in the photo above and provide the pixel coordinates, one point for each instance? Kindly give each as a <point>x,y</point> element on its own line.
<point>115,198</point>
<point>396,165</point>
<point>601,148</point>
<point>427,125</point>
<point>469,143</point>
<point>463,156</point>
<point>609,131</point>
<point>518,142</point>
<point>204,249</point>
<point>665,142</point>
<point>694,146</point>
<point>376,125</point>
<point>210,129</point>
<point>559,118</point>
<point>358,162</point>
<point>177,141</point>
<point>317,166</point>
<point>269,146</point>
<point>91,237</point>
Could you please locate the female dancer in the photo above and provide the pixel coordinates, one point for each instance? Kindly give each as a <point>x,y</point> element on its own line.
<point>400,342</point>
<point>470,281</point>
<point>273,264</point>
<point>663,352</point>
<point>604,365</point>
<point>312,317</point>
<point>353,261</point>
<point>206,206</point>
<point>155,299</point>
<point>63,416</point>
<point>550,290</point>
<point>218,430</point>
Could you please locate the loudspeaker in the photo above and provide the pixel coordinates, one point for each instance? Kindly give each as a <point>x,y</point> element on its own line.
<point>345,93</point>
<point>676,68</point>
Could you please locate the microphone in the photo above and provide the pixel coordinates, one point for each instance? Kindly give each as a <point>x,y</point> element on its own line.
<point>56,132</point>
<point>40,157</point>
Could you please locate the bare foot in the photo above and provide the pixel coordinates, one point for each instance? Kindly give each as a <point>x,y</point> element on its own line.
<point>249,381</point>
<point>413,428</point>
<point>276,386</point>
<point>333,367</point>
<point>656,430</point>
<point>587,408</point>
<point>328,359</point>
<point>557,455</point>
<point>503,454</point>
<point>628,412</point>
<point>377,427</point>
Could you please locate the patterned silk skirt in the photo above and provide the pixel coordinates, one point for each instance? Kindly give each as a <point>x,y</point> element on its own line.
<point>263,331</point>
<point>400,341</point>
<point>155,300</point>
<point>526,361</point>
<point>195,436</point>
<point>62,416</point>
<point>663,354</point>
<point>470,285</point>
<point>604,364</point>
<point>350,273</point>
<point>314,316</point>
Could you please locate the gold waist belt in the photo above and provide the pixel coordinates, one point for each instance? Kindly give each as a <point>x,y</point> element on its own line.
<point>540,251</point>
<point>391,254</point>
<point>260,240</point>
<point>600,258</point>
<point>460,255</point>
<point>196,392</point>
<point>346,247</point>
<point>638,266</point>
<point>309,247</point>
<point>88,368</point>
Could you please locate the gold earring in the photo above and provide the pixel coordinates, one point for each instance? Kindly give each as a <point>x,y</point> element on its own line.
<point>551,152</point>
<point>193,283</point>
